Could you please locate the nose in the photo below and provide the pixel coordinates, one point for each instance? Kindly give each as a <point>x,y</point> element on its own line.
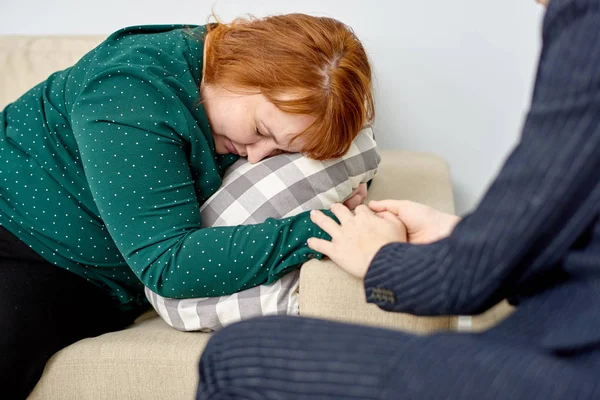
<point>258,151</point>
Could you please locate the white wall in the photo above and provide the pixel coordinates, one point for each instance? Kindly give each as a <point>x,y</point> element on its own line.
<point>453,77</point>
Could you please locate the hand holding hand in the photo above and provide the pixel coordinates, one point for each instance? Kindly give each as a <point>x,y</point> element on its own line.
<point>423,224</point>
<point>357,238</point>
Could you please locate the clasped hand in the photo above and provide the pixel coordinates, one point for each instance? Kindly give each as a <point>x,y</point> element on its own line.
<point>360,235</point>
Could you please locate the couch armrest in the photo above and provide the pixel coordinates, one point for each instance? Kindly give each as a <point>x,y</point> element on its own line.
<point>328,292</point>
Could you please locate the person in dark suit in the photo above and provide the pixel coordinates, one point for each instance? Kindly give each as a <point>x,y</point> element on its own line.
<point>534,239</point>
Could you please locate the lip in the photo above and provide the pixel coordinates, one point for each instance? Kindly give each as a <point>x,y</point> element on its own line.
<point>230,147</point>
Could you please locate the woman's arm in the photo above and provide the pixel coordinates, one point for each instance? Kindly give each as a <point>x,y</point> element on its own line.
<point>129,131</point>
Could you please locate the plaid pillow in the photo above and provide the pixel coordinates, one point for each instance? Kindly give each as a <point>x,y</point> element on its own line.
<point>278,187</point>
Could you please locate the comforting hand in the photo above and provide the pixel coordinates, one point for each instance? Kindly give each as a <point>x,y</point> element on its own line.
<point>357,197</point>
<point>423,224</point>
<point>357,238</point>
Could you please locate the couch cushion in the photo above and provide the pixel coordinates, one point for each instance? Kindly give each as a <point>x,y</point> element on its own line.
<point>149,360</point>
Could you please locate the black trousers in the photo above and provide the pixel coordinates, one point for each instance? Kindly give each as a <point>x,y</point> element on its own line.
<point>43,308</point>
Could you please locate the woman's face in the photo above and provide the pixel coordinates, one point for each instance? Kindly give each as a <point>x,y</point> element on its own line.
<point>251,126</point>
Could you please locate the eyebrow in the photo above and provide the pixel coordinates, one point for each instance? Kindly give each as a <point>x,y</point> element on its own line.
<point>270,133</point>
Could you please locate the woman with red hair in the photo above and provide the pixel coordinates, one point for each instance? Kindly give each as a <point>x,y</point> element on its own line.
<point>313,69</point>
<point>105,165</point>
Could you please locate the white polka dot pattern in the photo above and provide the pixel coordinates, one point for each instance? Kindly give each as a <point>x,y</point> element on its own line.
<point>104,165</point>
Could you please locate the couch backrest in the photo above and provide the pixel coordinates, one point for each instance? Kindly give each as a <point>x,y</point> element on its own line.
<point>27,60</point>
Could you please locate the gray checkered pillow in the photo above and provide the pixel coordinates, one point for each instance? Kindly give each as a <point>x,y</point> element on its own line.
<point>277,187</point>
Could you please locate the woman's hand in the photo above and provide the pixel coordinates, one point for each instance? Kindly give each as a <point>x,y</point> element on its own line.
<point>358,237</point>
<point>357,197</point>
<point>423,224</point>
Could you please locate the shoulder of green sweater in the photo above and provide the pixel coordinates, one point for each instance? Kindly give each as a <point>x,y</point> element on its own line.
<point>152,41</point>
<point>157,51</point>
<point>160,36</point>
<point>137,30</point>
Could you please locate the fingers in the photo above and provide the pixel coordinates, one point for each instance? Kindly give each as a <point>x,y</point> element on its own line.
<point>322,246</point>
<point>354,201</point>
<point>393,206</point>
<point>342,212</point>
<point>362,190</point>
<point>325,223</point>
<point>384,205</point>
<point>357,197</point>
<point>389,216</point>
<point>363,209</point>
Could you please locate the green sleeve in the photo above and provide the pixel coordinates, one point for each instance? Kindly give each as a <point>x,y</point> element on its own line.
<point>132,137</point>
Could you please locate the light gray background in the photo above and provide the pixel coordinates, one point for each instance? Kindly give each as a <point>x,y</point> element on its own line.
<point>452,77</point>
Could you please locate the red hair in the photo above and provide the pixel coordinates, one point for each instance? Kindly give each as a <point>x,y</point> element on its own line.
<point>303,65</point>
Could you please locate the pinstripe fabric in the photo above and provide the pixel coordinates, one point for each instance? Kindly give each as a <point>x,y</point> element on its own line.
<point>274,358</point>
<point>282,357</point>
<point>535,239</point>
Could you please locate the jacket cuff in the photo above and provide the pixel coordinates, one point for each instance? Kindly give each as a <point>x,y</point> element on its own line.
<point>381,273</point>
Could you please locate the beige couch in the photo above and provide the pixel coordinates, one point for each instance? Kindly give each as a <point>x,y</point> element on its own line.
<point>150,360</point>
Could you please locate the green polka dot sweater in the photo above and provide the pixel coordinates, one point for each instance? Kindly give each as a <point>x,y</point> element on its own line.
<point>104,165</point>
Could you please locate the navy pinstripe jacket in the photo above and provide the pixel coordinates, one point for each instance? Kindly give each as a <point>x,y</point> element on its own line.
<point>535,237</point>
